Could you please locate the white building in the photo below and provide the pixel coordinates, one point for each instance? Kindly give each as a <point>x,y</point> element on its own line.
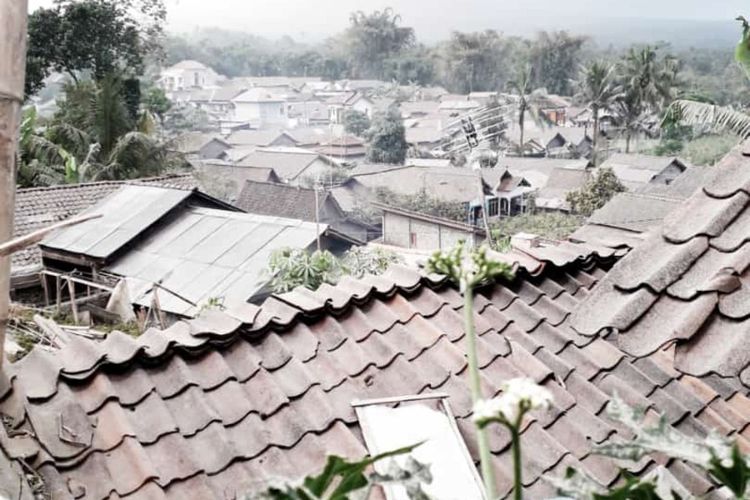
<point>187,75</point>
<point>260,108</point>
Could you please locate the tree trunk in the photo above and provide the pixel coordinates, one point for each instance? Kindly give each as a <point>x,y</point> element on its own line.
<point>13,15</point>
<point>627,141</point>
<point>595,139</point>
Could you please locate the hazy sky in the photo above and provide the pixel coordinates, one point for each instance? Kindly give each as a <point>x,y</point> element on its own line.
<point>431,18</point>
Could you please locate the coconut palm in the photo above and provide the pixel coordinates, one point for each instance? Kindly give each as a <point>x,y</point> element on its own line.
<point>597,89</point>
<point>529,103</point>
<point>650,79</point>
<point>631,116</point>
<point>101,137</point>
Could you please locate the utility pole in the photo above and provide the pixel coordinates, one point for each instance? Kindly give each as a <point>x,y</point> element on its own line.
<point>316,186</point>
<point>13,15</point>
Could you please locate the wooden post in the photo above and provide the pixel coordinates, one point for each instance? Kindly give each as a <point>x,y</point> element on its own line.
<point>13,15</point>
<point>73,305</point>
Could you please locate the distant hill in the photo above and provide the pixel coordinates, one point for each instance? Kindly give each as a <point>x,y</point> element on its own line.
<point>680,33</point>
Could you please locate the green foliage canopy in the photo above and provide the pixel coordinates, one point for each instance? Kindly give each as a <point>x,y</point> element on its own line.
<point>387,138</point>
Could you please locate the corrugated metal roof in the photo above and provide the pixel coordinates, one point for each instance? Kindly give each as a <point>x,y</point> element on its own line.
<point>207,253</point>
<point>125,214</point>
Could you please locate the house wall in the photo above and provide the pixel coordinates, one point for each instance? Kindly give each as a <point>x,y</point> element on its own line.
<point>403,231</point>
<point>184,79</point>
<point>262,113</point>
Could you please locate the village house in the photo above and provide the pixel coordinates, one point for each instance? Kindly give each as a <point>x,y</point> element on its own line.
<point>413,230</point>
<point>187,75</point>
<point>294,202</point>
<point>553,197</point>
<point>251,139</point>
<point>260,107</point>
<point>201,146</point>
<point>344,149</point>
<point>225,179</point>
<point>638,171</point>
<point>291,165</point>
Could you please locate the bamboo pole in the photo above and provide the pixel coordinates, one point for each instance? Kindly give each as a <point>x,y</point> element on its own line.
<point>13,15</point>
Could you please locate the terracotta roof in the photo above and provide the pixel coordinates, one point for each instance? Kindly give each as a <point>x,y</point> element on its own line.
<point>687,283</point>
<point>40,207</point>
<point>216,406</point>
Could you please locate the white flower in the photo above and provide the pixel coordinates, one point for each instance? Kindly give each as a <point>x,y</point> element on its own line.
<point>525,390</point>
<point>486,410</point>
<point>519,394</point>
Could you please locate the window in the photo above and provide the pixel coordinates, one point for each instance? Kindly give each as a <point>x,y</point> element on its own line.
<point>427,418</point>
<point>492,207</point>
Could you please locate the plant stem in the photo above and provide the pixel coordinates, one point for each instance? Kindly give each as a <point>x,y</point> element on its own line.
<point>485,456</point>
<point>515,435</point>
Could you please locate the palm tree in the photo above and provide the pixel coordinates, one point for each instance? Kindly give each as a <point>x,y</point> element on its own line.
<point>598,90</point>
<point>652,80</point>
<point>103,140</point>
<point>529,101</point>
<point>631,116</point>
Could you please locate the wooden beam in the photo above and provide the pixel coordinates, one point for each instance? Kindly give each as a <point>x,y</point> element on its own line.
<point>22,242</point>
<point>13,14</point>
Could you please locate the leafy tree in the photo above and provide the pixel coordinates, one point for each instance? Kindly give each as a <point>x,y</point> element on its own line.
<point>555,57</point>
<point>478,61</point>
<point>98,36</point>
<point>356,122</point>
<point>156,102</point>
<point>416,65</point>
<point>596,192</point>
<point>387,138</point>
<point>372,39</point>
<point>598,90</point>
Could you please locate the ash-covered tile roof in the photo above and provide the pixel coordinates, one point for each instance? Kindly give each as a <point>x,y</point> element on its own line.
<point>37,208</point>
<point>623,221</point>
<point>687,283</point>
<point>216,406</point>
<point>282,200</point>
